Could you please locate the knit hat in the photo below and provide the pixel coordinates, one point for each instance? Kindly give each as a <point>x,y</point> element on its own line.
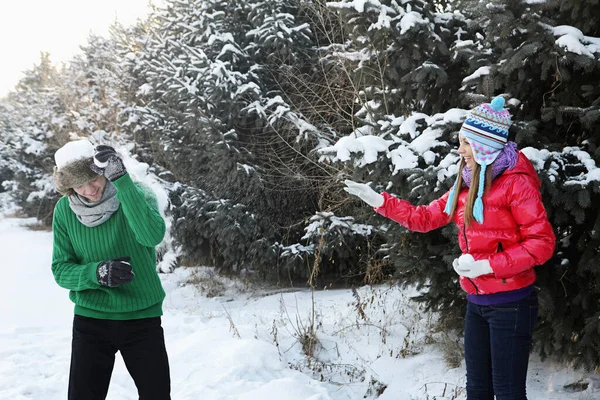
<point>73,162</point>
<point>486,129</point>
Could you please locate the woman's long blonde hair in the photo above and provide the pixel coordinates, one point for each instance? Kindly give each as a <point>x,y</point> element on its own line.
<point>472,190</point>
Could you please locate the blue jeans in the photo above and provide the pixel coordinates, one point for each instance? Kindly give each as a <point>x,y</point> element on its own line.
<point>497,344</point>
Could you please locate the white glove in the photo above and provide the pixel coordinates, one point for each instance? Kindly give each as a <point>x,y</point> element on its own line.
<point>466,266</point>
<point>364,192</point>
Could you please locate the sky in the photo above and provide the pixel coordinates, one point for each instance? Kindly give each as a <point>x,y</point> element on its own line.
<point>59,27</point>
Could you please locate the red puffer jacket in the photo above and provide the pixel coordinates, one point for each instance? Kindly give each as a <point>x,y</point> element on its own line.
<point>515,235</point>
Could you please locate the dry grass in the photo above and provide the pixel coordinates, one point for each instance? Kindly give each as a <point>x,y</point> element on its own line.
<point>303,330</point>
<point>38,227</point>
<point>452,349</point>
<point>374,274</point>
<point>16,214</point>
<point>207,281</point>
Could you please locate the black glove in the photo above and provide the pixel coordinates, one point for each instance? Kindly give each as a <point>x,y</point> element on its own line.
<point>113,273</point>
<point>108,163</point>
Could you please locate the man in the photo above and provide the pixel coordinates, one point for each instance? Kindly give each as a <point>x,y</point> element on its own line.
<point>105,231</point>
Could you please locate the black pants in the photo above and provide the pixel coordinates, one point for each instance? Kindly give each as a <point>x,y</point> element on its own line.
<point>142,346</point>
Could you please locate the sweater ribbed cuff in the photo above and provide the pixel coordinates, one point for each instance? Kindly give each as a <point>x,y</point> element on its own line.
<point>91,273</point>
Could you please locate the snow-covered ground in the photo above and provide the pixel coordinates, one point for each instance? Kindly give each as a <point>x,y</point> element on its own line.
<point>243,343</point>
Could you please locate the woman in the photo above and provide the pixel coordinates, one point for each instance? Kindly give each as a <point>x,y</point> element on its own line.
<point>105,231</point>
<point>503,233</point>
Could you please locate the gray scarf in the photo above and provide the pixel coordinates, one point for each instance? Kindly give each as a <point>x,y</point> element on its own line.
<point>95,213</point>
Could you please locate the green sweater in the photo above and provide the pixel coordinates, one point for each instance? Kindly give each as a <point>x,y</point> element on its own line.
<point>133,230</point>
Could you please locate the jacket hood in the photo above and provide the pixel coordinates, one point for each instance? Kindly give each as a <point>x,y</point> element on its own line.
<point>524,167</point>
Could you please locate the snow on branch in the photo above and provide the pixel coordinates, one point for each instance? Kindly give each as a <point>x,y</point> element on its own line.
<point>358,5</point>
<point>576,165</point>
<point>481,71</point>
<point>327,221</point>
<point>369,146</point>
<point>423,131</point>
<point>573,40</point>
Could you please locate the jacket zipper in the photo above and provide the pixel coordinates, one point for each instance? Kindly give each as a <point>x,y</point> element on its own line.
<point>499,250</point>
<point>467,245</point>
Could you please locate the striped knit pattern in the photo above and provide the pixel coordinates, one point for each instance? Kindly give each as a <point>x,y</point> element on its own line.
<point>133,230</point>
<point>486,128</point>
<point>485,133</point>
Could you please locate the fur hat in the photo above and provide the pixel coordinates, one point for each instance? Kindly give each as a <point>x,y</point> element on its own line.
<point>73,162</point>
<point>486,129</point>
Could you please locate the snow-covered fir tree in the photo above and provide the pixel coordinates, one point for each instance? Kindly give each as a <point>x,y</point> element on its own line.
<point>30,115</point>
<point>209,99</point>
<point>546,71</point>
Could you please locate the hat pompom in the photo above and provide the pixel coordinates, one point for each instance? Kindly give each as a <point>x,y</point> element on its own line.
<point>498,103</point>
